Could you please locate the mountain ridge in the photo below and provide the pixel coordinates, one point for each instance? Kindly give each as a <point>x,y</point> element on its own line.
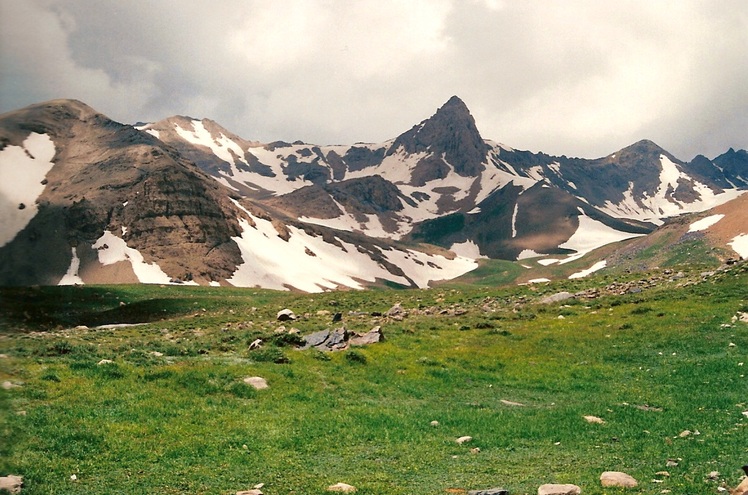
<point>440,181</point>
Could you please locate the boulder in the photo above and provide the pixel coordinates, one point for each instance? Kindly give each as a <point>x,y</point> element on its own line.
<point>257,382</point>
<point>396,310</point>
<point>338,339</point>
<point>554,489</point>
<point>316,339</point>
<point>371,337</point>
<point>616,478</point>
<point>558,297</point>
<point>285,315</point>
<point>11,483</point>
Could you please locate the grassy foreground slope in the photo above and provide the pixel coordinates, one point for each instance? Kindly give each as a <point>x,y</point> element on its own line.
<point>171,413</point>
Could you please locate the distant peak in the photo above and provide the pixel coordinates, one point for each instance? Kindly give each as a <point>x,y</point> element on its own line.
<point>453,108</point>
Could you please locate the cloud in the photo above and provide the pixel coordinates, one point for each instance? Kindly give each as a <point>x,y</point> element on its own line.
<point>578,77</point>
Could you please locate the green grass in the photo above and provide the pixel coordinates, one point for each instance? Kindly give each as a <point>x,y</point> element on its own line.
<point>651,364</point>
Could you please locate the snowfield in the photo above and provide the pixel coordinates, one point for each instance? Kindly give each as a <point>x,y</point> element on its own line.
<point>740,245</point>
<point>310,264</point>
<point>111,249</point>
<point>71,277</point>
<point>22,170</point>
<point>705,223</point>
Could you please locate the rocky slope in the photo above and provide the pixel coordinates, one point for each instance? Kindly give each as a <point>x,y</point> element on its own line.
<point>91,200</point>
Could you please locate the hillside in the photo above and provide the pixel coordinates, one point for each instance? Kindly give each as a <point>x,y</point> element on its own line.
<point>644,375</point>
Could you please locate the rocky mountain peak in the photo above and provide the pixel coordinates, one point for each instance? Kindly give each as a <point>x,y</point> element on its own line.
<point>451,132</point>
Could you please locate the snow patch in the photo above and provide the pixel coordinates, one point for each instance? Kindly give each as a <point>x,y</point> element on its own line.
<point>467,249</point>
<point>740,245</point>
<point>71,277</point>
<point>514,220</point>
<point>538,280</point>
<point>528,253</point>
<point>705,223</point>
<point>590,235</point>
<point>548,261</point>
<point>22,170</point>
<point>597,266</point>
<point>111,249</point>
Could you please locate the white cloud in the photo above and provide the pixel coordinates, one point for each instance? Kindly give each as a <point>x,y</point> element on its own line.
<point>578,77</point>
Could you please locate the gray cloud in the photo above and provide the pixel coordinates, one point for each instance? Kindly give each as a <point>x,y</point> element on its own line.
<point>580,77</point>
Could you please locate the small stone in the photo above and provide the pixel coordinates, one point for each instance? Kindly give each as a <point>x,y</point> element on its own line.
<point>11,483</point>
<point>594,420</point>
<point>671,463</point>
<point>714,475</point>
<point>73,477</point>
<point>7,385</point>
<point>555,489</point>
<point>434,423</point>
<point>464,439</point>
<point>475,450</point>
<point>617,478</point>
<point>249,492</point>
<point>285,315</point>
<point>664,474</point>
<point>257,382</point>
<point>105,361</point>
<point>685,433</point>
<point>255,344</point>
<point>511,403</point>
<point>157,354</point>
<point>3,356</point>
<point>490,491</point>
<point>341,487</point>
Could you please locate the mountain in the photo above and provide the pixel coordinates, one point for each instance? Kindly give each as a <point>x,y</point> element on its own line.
<point>87,199</point>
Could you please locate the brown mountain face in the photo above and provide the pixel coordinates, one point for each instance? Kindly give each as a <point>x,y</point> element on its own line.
<point>109,176</point>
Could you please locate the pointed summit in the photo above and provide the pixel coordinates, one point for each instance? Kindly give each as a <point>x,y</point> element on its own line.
<point>450,132</point>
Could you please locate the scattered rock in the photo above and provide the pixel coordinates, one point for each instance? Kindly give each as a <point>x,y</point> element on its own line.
<point>7,385</point>
<point>373,336</point>
<point>616,478</point>
<point>714,475</point>
<point>396,310</point>
<point>341,487</point>
<point>685,433</point>
<point>257,382</point>
<point>316,339</point>
<point>475,450</point>
<point>255,344</point>
<point>558,297</point>
<point>554,489</point>
<point>254,491</point>
<point>337,317</point>
<point>594,420</point>
<point>490,491</point>
<point>157,354</point>
<point>338,339</point>
<point>511,403</point>
<point>285,315</point>
<point>434,423</point>
<point>11,483</point>
<point>105,361</point>
<point>672,462</point>
<point>464,439</point>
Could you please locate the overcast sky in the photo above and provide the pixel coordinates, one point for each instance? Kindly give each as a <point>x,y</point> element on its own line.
<point>574,77</point>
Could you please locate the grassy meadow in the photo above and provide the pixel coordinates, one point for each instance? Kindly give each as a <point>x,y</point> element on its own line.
<point>663,368</point>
